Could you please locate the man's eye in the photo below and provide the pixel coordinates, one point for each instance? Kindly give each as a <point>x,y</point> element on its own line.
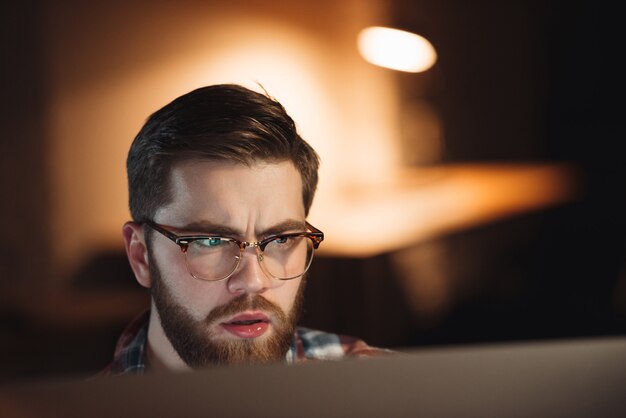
<point>283,240</point>
<point>210,242</point>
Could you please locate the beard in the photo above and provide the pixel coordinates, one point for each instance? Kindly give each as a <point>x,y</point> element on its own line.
<point>196,343</point>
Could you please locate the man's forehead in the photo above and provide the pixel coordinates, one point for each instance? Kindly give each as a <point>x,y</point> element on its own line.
<point>236,195</point>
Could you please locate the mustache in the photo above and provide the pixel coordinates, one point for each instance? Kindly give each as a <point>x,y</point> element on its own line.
<point>243,303</point>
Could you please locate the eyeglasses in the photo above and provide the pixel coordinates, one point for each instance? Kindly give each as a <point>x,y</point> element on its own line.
<point>212,257</point>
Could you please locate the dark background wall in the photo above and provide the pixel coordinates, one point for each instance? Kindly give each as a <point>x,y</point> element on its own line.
<point>515,81</point>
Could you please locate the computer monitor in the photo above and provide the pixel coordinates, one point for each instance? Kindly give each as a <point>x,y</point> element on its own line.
<point>566,378</point>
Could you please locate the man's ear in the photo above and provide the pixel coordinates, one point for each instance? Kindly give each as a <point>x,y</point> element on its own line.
<point>137,252</point>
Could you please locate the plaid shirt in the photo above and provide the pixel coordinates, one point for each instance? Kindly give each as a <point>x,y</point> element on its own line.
<point>307,345</point>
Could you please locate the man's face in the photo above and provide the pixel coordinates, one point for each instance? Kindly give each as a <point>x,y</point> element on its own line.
<point>249,317</point>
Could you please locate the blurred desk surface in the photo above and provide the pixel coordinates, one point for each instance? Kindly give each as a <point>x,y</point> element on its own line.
<point>423,203</point>
<point>565,378</point>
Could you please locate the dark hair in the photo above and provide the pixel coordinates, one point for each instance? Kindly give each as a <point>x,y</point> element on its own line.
<point>223,122</point>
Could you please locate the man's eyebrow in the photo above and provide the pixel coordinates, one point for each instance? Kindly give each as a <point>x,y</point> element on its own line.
<point>206,227</point>
<point>289,225</point>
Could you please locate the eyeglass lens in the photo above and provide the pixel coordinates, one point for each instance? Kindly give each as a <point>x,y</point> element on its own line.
<point>216,258</point>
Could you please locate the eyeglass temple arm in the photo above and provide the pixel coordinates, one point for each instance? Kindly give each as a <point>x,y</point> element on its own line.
<point>316,234</point>
<point>163,231</point>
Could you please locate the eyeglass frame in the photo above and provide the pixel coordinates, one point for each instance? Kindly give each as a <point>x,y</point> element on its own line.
<point>183,241</point>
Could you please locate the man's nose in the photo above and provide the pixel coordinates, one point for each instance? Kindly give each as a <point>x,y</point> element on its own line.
<point>249,277</point>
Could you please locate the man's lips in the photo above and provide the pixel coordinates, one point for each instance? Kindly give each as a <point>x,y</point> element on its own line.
<point>247,325</point>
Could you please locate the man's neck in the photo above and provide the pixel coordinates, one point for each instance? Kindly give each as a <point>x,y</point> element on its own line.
<point>153,362</point>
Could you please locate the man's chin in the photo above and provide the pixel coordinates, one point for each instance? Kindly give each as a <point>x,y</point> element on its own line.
<point>232,350</point>
<point>200,345</point>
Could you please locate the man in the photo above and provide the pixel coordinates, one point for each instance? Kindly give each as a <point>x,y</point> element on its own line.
<point>220,184</point>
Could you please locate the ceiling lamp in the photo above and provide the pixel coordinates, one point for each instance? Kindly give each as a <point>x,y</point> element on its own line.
<point>396,49</point>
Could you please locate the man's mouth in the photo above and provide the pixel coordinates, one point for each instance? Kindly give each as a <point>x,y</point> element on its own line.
<point>247,325</point>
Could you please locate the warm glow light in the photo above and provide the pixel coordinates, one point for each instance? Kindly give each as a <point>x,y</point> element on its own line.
<point>396,49</point>
<point>427,202</point>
